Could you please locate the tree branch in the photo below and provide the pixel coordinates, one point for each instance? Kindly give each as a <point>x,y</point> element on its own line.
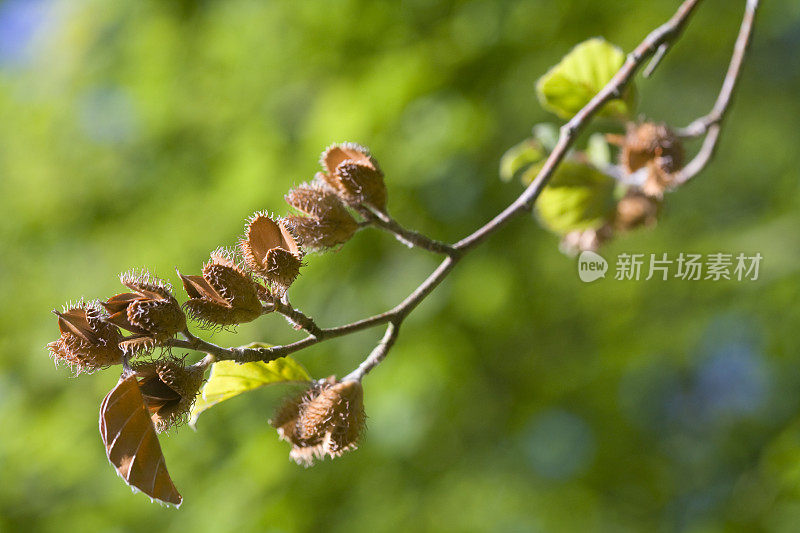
<point>297,318</point>
<point>657,42</point>
<point>218,353</point>
<point>711,124</point>
<point>410,238</point>
<point>377,355</point>
<point>665,33</point>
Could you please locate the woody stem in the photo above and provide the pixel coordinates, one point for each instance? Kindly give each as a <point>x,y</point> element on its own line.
<point>296,317</point>
<point>657,42</point>
<point>377,355</point>
<point>410,238</point>
<point>711,124</point>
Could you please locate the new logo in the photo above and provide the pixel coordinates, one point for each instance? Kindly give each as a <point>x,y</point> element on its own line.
<point>591,266</point>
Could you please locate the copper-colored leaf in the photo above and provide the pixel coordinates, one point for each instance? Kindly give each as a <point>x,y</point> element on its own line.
<point>132,445</point>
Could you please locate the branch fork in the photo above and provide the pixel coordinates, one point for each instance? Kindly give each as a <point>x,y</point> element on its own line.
<point>653,49</point>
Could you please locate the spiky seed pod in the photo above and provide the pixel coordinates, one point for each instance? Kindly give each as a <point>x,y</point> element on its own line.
<point>327,222</point>
<point>313,200</point>
<point>150,312</point>
<point>655,146</point>
<point>169,389</point>
<point>287,417</point>
<point>320,235</point>
<point>271,251</point>
<point>223,295</point>
<point>354,175</point>
<point>146,284</point>
<point>327,420</point>
<point>87,343</point>
<point>335,154</point>
<point>636,209</point>
<point>361,184</point>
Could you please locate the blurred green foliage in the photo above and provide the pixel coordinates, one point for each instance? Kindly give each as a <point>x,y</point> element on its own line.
<point>142,133</point>
<point>577,197</point>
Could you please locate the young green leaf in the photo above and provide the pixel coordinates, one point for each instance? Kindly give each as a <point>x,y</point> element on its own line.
<point>578,197</point>
<point>229,379</point>
<point>573,82</point>
<point>520,156</point>
<point>597,150</point>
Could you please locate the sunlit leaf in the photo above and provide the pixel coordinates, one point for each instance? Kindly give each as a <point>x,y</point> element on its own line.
<point>132,444</point>
<point>573,82</point>
<point>598,151</point>
<point>578,197</point>
<point>229,379</point>
<point>520,156</point>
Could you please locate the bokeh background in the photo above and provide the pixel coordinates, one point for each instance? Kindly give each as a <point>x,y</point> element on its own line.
<point>142,133</point>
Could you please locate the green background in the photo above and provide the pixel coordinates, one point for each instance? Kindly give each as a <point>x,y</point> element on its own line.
<point>143,133</point>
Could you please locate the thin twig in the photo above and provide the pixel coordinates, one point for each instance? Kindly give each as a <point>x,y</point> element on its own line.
<point>377,355</point>
<point>657,57</point>
<point>195,343</point>
<point>296,317</point>
<point>408,237</point>
<point>569,132</point>
<point>711,124</point>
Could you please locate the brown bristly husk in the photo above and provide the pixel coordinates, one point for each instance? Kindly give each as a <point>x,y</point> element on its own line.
<point>636,209</point>
<point>327,420</point>
<point>169,389</point>
<point>360,184</point>
<point>150,312</point>
<point>354,175</point>
<point>270,251</point>
<point>326,223</point>
<point>315,201</point>
<point>145,282</point>
<point>224,294</point>
<point>321,235</point>
<point>655,146</point>
<point>87,342</point>
<point>334,154</point>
